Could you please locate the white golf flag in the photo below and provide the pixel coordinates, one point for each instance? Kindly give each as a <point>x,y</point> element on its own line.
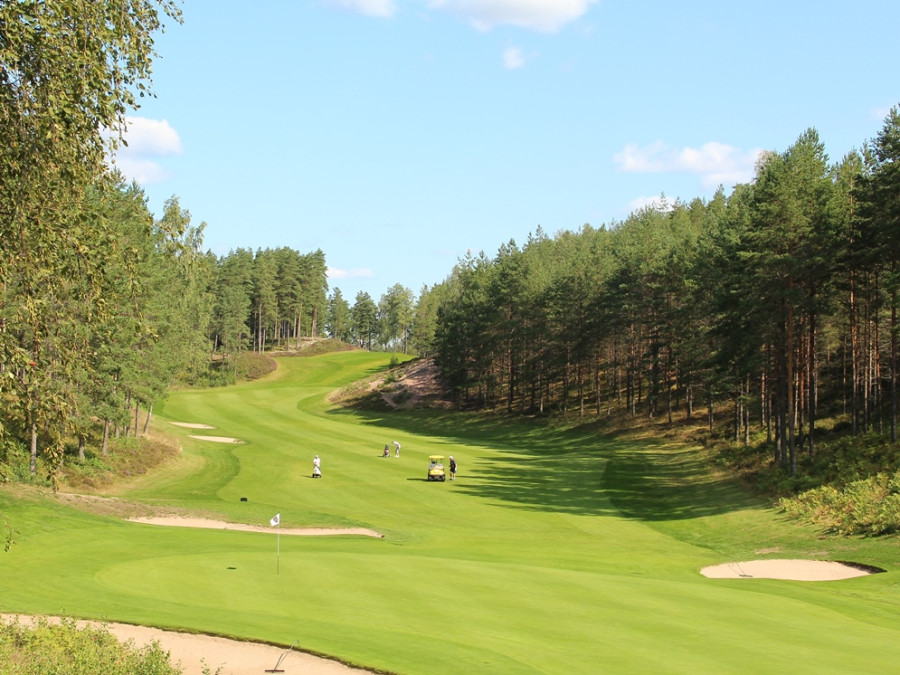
<point>275,520</point>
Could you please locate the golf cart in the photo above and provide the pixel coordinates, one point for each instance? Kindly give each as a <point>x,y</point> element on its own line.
<point>436,467</point>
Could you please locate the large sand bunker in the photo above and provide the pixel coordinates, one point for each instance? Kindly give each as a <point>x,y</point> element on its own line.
<point>212,439</point>
<point>178,521</point>
<point>216,654</point>
<point>791,570</point>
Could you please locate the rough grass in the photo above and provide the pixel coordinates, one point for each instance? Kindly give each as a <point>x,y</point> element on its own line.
<point>126,458</point>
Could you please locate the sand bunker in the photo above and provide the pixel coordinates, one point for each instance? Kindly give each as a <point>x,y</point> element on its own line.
<point>177,521</point>
<point>228,657</point>
<point>192,425</point>
<point>791,570</point>
<point>217,439</point>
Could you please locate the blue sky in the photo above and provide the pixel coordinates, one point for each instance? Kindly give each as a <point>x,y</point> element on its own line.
<point>396,135</point>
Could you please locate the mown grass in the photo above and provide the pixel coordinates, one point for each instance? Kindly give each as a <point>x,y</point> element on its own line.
<point>557,550</point>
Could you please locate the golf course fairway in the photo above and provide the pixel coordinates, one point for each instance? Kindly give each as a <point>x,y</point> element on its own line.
<point>555,551</point>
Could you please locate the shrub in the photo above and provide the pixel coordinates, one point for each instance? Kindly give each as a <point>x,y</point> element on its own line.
<point>127,457</point>
<point>870,506</point>
<point>252,365</point>
<point>43,648</point>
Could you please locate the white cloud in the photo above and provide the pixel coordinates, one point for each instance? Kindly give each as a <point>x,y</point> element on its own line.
<point>144,171</point>
<point>715,163</point>
<point>635,159</point>
<point>146,139</point>
<point>380,8</point>
<point>541,15</point>
<point>151,137</point>
<point>659,203</point>
<point>359,273</point>
<point>513,58</point>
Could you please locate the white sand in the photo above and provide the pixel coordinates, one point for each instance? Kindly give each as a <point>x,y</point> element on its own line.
<point>192,425</point>
<point>178,521</point>
<point>792,570</point>
<point>217,439</point>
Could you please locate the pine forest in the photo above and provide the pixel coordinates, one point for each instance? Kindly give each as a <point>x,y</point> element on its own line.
<point>771,306</point>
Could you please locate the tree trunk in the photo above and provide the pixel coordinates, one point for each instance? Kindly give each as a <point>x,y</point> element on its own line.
<point>33,461</point>
<point>104,449</point>
<point>790,399</point>
<point>894,369</point>
<point>812,386</point>
<point>854,360</point>
<point>127,426</point>
<point>147,421</point>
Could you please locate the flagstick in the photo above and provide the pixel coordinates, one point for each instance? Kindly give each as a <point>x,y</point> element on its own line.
<point>278,550</point>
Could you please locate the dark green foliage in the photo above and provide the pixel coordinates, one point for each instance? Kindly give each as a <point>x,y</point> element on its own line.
<point>850,487</point>
<point>337,322</point>
<point>777,304</point>
<point>363,321</point>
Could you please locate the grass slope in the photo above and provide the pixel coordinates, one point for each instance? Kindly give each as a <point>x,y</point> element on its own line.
<point>556,551</point>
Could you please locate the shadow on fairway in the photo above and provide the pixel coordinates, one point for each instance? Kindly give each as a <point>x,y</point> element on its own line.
<point>573,471</point>
<point>658,484</point>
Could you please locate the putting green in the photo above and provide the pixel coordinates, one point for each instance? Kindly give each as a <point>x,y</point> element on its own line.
<point>554,552</point>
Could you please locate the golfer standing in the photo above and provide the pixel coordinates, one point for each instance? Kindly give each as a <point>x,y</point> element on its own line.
<point>452,468</point>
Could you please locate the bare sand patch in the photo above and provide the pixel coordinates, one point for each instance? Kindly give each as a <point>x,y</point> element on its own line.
<point>217,439</point>
<point>790,570</point>
<point>206,523</point>
<point>192,425</point>
<point>220,655</point>
<point>418,385</point>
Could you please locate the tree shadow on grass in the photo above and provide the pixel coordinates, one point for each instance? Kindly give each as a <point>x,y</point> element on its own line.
<point>575,471</point>
<point>659,483</point>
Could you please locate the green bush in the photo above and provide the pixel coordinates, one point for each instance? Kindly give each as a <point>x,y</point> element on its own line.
<point>43,648</point>
<point>851,486</point>
<point>870,506</point>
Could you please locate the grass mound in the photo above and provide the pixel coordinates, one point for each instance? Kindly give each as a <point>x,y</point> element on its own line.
<point>126,458</point>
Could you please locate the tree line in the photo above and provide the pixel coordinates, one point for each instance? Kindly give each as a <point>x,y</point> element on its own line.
<point>75,302</point>
<point>399,321</point>
<point>104,306</point>
<point>779,300</point>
